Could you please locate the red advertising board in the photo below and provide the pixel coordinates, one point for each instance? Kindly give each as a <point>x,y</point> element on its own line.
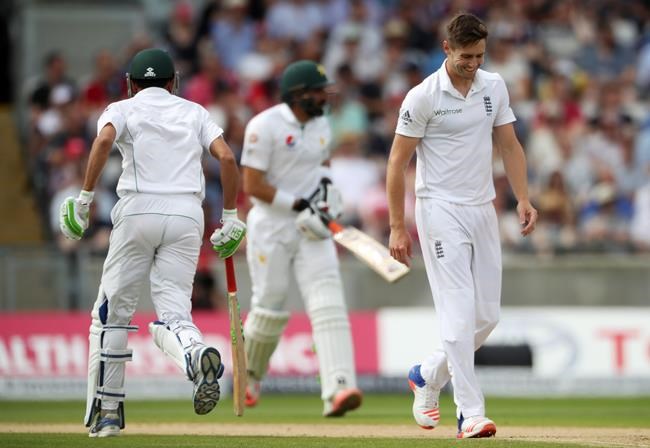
<point>56,344</point>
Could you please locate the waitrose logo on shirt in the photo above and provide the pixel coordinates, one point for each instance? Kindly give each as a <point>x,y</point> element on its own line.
<point>439,112</point>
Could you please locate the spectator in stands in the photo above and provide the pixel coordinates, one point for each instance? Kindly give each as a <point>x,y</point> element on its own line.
<point>556,227</point>
<point>180,37</point>
<point>357,42</point>
<point>293,20</point>
<point>605,220</point>
<point>106,85</point>
<point>55,74</point>
<point>233,34</point>
<point>211,80</point>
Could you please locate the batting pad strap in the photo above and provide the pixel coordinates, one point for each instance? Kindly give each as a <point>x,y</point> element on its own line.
<point>129,328</point>
<point>115,394</point>
<point>113,355</point>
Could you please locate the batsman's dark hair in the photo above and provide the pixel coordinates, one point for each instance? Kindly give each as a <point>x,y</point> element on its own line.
<point>144,83</point>
<point>465,29</point>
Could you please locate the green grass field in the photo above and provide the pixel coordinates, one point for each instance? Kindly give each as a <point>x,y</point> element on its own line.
<point>58,424</point>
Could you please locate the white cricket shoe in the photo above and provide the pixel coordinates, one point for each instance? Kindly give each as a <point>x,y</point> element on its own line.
<point>206,370</point>
<point>475,427</point>
<point>343,401</point>
<point>426,409</point>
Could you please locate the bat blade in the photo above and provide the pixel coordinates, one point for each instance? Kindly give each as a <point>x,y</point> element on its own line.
<point>237,342</point>
<point>370,251</point>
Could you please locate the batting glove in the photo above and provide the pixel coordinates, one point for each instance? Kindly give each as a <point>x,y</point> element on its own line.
<point>327,201</point>
<point>74,215</point>
<point>227,239</point>
<point>312,225</point>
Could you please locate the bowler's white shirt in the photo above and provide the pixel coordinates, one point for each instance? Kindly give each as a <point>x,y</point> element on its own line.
<point>288,151</point>
<point>454,155</point>
<point>161,138</point>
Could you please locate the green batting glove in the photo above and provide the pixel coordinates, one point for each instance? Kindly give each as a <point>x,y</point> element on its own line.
<point>226,240</point>
<point>74,215</point>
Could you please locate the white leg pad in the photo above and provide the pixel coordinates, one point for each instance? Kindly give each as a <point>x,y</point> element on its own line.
<point>262,332</point>
<point>332,337</point>
<point>106,357</point>
<point>177,339</point>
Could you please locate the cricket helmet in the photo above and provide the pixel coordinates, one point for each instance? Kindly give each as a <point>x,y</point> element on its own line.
<point>152,64</point>
<point>302,75</point>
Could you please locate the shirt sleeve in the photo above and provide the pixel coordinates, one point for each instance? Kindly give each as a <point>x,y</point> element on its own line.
<point>257,146</point>
<point>113,115</point>
<point>209,129</point>
<point>413,116</point>
<point>504,113</point>
<point>329,144</point>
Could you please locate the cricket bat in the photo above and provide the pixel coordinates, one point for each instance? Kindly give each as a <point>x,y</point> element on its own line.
<point>370,251</point>
<point>237,341</point>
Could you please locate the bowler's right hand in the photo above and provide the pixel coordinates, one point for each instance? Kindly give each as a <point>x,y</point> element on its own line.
<point>399,244</point>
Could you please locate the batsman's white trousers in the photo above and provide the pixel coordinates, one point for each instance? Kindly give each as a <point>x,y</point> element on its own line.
<point>276,249</point>
<point>162,248</point>
<point>462,256</point>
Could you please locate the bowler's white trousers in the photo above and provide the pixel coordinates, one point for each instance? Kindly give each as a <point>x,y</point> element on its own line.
<point>462,255</point>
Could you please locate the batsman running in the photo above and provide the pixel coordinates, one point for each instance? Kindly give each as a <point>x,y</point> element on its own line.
<point>451,119</point>
<point>285,152</point>
<point>156,236</point>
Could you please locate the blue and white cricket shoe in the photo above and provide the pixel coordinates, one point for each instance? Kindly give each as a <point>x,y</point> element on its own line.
<point>106,426</point>
<point>426,408</point>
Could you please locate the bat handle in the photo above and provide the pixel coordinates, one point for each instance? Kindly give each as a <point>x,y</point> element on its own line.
<point>335,227</point>
<point>231,281</point>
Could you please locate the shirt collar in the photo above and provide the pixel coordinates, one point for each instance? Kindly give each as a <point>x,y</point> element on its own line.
<point>153,91</point>
<point>288,114</point>
<point>445,82</point>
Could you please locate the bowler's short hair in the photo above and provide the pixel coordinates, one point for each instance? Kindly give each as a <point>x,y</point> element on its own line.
<point>465,29</point>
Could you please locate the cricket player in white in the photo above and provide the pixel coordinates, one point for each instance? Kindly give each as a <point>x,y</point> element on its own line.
<point>157,233</point>
<point>285,149</point>
<point>451,120</point>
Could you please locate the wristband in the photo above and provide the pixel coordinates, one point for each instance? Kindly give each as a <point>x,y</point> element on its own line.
<point>86,197</point>
<point>326,171</point>
<point>283,200</point>
<point>229,212</point>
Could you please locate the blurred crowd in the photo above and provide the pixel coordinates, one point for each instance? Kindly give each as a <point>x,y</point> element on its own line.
<point>578,73</point>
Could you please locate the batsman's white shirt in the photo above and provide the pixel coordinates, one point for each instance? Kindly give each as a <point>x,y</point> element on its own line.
<point>455,151</point>
<point>289,152</point>
<point>162,139</point>
<point>456,221</point>
<point>158,221</point>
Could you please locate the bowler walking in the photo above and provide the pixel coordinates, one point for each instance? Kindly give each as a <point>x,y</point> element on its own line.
<point>453,119</point>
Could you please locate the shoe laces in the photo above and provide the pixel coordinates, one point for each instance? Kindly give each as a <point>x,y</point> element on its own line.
<point>429,396</point>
